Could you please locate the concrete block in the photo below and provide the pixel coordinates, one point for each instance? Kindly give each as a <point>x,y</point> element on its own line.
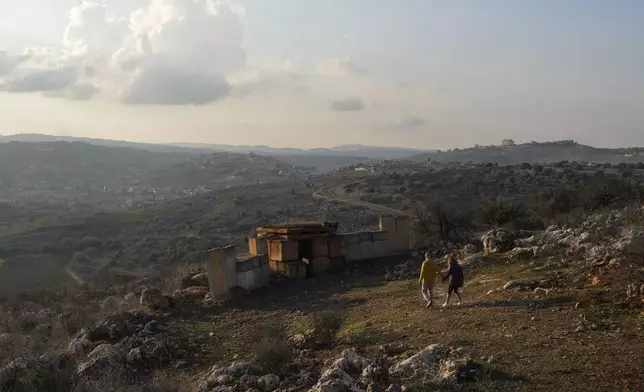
<point>320,247</point>
<point>248,264</point>
<point>317,266</point>
<point>267,272</point>
<point>367,250</point>
<point>353,238</point>
<point>321,265</point>
<point>382,235</point>
<point>366,236</point>
<point>283,250</point>
<point>336,246</point>
<point>336,262</point>
<point>353,251</point>
<point>222,274</point>
<point>290,269</point>
<point>388,223</point>
<point>383,249</point>
<point>258,278</point>
<point>257,246</point>
<point>263,260</point>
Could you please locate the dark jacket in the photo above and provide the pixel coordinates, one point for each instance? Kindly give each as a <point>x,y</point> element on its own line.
<point>455,275</point>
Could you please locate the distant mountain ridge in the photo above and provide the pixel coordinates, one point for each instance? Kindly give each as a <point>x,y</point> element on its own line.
<point>353,150</point>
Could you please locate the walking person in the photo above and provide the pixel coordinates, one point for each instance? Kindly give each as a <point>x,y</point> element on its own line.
<point>456,280</point>
<point>429,270</point>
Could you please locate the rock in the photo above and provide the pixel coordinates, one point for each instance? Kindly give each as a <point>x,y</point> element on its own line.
<point>377,372</point>
<point>249,381</point>
<point>521,253</point>
<point>631,243</point>
<point>9,372</point>
<point>191,294</point>
<point>469,249</point>
<point>350,361</point>
<point>153,299</point>
<point>394,388</point>
<point>103,358</point>
<point>420,366</point>
<point>514,285</point>
<point>269,382</point>
<point>499,240</point>
<point>240,368</point>
<point>129,301</point>
<point>80,345</point>
<point>195,280</point>
<point>110,305</point>
<point>134,356</point>
<point>460,371</point>
<point>336,380</point>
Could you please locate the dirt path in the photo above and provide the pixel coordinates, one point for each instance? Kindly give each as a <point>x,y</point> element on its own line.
<point>332,194</point>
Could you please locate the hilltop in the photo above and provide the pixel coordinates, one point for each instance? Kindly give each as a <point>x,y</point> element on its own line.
<point>566,150</point>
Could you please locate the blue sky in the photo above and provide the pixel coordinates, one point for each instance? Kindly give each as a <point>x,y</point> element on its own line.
<point>472,71</point>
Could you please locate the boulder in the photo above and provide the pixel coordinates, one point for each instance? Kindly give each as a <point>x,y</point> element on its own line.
<point>153,299</point>
<point>269,382</point>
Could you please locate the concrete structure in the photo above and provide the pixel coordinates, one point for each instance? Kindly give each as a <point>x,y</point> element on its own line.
<point>302,250</point>
<point>507,142</point>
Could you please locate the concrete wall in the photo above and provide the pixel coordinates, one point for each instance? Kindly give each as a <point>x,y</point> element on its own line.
<point>253,273</point>
<point>222,274</point>
<point>393,238</point>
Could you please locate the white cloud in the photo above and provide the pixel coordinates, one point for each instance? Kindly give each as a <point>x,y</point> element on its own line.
<point>8,62</point>
<point>338,67</point>
<point>169,52</point>
<point>351,104</point>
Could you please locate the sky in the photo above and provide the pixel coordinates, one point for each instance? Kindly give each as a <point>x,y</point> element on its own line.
<point>319,73</point>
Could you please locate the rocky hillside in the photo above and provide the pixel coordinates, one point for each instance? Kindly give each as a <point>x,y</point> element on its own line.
<point>575,291</point>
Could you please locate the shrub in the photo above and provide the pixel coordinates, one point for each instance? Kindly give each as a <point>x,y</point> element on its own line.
<point>326,325</point>
<point>499,213</point>
<point>271,350</point>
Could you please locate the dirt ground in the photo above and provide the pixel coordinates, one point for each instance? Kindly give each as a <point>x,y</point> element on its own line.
<point>529,338</point>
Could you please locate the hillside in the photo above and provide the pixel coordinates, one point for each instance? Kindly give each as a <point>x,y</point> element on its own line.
<point>534,153</point>
<point>64,172</point>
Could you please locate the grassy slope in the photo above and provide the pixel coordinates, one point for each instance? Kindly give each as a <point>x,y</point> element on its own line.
<point>532,339</point>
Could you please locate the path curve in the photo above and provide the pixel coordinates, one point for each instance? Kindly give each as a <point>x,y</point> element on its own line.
<point>331,194</point>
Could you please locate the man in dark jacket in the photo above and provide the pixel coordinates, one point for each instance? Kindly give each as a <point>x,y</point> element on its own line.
<point>456,280</point>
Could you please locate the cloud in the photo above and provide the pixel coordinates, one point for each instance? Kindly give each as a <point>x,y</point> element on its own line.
<point>41,80</point>
<point>338,67</point>
<point>175,86</point>
<point>411,122</point>
<point>170,52</point>
<point>8,62</point>
<point>352,104</point>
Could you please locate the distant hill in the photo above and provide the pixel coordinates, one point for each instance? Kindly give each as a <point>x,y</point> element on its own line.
<point>536,153</point>
<point>74,165</point>
<point>351,150</point>
<point>40,138</point>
